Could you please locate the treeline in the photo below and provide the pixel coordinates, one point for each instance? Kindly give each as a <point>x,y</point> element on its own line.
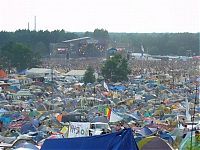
<point>159,43</point>
<point>153,43</point>
<point>37,41</point>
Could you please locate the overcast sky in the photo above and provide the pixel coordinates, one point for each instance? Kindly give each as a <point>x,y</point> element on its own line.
<point>113,15</point>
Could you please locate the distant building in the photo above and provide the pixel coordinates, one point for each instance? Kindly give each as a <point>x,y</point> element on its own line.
<point>78,74</point>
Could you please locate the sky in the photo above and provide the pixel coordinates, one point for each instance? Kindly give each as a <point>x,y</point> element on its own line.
<point>142,16</point>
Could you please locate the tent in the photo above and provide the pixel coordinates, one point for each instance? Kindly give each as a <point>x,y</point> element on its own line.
<point>100,119</point>
<point>166,136</point>
<point>2,110</point>
<point>115,141</point>
<point>153,142</point>
<point>26,146</point>
<point>27,127</point>
<point>3,74</point>
<point>117,88</point>
<point>22,72</point>
<point>145,131</point>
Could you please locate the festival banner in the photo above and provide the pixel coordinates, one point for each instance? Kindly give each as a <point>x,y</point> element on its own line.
<point>78,129</point>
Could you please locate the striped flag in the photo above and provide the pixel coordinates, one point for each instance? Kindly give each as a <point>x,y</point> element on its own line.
<point>107,112</point>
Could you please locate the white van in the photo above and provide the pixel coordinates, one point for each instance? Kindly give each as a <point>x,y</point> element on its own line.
<point>98,127</point>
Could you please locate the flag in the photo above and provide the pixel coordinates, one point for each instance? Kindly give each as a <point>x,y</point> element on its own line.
<point>114,117</point>
<point>187,114</point>
<point>100,109</point>
<point>105,86</point>
<point>142,48</point>
<point>107,112</point>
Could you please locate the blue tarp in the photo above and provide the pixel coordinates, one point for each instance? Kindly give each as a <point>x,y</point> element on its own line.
<point>122,140</point>
<point>117,88</point>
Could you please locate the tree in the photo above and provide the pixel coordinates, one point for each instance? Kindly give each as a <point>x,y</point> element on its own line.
<point>102,36</point>
<point>18,56</point>
<point>116,69</point>
<point>89,75</point>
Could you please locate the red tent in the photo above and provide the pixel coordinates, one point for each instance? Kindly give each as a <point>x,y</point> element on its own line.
<point>3,74</point>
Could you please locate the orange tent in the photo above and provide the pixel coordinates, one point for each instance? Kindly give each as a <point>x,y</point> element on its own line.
<point>59,117</point>
<point>3,74</point>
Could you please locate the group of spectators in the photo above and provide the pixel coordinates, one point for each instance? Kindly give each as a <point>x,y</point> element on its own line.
<point>138,67</point>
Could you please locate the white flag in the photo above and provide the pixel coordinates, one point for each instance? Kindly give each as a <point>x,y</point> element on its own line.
<point>142,48</point>
<point>105,86</point>
<point>115,117</point>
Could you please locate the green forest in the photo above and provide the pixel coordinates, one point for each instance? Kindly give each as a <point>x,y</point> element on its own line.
<point>153,43</point>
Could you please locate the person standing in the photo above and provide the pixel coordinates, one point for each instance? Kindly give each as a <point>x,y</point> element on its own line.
<point>1,126</point>
<point>185,130</point>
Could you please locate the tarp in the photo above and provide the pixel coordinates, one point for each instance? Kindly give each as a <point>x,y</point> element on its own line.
<point>122,140</point>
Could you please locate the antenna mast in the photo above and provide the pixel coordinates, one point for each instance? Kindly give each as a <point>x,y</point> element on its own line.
<point>35,23</point>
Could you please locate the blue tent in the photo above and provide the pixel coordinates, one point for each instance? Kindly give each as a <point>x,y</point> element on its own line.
<point>122,140</point>
<point>166,136</point>
<point>117,88</point>
<point>28,127</point>
<point>22,72</point>
<point>145,131</point>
